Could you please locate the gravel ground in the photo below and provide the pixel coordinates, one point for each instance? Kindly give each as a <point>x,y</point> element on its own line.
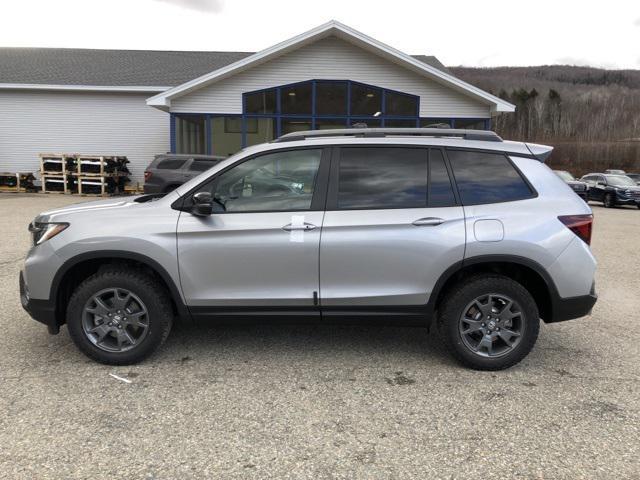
<point>309,401</point>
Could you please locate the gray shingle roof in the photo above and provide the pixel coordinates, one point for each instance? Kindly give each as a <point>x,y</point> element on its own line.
<point>75,66</point>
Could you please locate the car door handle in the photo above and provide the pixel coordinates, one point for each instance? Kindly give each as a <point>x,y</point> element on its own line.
<point>304,227</point>
<point>428,222</point>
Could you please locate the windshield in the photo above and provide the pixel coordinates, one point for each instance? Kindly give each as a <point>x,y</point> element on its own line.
<point>620,181</point>
<point>566,176</point>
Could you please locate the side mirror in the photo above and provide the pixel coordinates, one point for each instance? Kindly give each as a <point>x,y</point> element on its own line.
<point>202,204</point>
<point>601,184</point>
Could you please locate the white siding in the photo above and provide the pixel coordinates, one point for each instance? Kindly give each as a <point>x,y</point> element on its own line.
<point>331,58</point>
<point>74,122</point>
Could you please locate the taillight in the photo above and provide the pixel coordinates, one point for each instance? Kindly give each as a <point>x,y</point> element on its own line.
<point>147,176</point>
<point>581,225</point>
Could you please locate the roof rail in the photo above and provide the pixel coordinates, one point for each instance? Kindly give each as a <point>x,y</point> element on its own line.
<point>482,135</point>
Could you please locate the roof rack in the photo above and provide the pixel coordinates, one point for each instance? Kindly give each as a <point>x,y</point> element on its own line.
<point>482,135</point>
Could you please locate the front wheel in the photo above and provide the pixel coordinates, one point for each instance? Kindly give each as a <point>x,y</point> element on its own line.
<point>119,316</point>
<point>489,322</point>
<point>609,201</point>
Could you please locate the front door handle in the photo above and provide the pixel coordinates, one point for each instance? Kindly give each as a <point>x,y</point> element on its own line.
<point>428,222</point>
<point>304,227</point>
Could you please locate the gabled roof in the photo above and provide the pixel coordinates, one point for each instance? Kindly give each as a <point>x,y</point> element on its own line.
<point>332,28</point>
<point>114,70</point>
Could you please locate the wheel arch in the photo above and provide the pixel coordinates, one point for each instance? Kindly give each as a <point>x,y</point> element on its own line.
<point>80,267</point>
<point>528,273</point>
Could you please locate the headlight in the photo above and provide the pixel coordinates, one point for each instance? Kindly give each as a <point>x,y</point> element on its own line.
<point>42,232</point>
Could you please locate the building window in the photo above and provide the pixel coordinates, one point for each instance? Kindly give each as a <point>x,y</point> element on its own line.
<point>263,102</point>
<point>365,100</point>
<point>331,98</point>
<point>290,125</point>
<point>226,135</point>
<point>296,99</point>
<point>435,122</point>
<point>265,130</point>
<point>190,134</point>
<point>470,123</point>
<point>399,123</point>
<point>401,105</point>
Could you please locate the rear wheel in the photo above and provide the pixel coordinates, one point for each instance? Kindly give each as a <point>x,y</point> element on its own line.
<point>119,316</point>
<point>609,200</point>
<point>489,322</point>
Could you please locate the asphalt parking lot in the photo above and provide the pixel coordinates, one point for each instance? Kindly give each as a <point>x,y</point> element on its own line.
<point>325,401</point>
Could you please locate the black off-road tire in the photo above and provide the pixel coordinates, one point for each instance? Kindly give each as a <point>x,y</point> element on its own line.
<point>149,290</point>
<point>461,294</point>
<point>609,200</point>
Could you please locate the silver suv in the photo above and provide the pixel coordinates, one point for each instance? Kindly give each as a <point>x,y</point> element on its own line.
<point>453,228</point>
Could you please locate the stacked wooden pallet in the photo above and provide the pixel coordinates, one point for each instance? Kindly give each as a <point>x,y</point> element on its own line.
<point>56,172</point>
<point>101,175</point>
<point>17,182</point>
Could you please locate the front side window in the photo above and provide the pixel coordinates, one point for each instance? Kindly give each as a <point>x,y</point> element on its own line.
<point>278,181</point>
<point>202,165</point>
<point>486,178</point>
<point>382,177</point>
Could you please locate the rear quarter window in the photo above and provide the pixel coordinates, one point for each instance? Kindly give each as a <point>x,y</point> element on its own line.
<point>170,164</point>
<point>484,177</point>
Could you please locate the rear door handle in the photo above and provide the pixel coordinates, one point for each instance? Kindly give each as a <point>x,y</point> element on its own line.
<point>304,227</point>
<point>428,222</point>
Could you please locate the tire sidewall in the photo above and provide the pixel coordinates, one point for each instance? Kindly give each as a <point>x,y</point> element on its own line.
<point>483,286</point>
<point>159,318</point>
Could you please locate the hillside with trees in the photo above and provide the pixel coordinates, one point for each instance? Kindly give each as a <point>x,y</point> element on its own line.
<point>591,116</point>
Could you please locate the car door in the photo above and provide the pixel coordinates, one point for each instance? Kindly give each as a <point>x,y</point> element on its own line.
<point>391,229</point>
<point>600,188</point>
<point>260,249</point>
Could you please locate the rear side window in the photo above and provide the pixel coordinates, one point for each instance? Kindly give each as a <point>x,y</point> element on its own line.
<point>382,177</point>
<point>486,178</point>
<point>170,164</point>
<point>201,165</point>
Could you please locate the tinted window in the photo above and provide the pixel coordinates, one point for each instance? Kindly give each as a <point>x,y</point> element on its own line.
<point>331,98</point>
<point>486,178</point>
<point>372,177</point>
<point>440,190</point>
<point>201,165</point>
<point>171,163</point>
<point>279,181</point>
<point>296,99</point>
<point>365,100</point>
<point>400,104</point>
<point>261,102</point>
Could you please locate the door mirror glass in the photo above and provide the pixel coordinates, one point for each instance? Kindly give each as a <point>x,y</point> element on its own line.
<point>202,204</point>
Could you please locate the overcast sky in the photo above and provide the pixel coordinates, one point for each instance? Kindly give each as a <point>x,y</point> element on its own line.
<point>458,32</point>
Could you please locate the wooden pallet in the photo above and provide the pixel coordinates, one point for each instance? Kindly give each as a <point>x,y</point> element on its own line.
<point>103,185</point>
<point>65,178</point>
<point>102,161</point>
<point>64,159</point>
<point>24,182</point>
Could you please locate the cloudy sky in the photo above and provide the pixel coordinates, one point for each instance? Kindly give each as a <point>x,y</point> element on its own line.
<point>459,32</point>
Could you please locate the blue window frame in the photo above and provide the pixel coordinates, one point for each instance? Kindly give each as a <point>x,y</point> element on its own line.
<point>344,103</point>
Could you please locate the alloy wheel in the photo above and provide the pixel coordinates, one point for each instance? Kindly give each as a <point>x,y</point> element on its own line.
<point>115,320</point>
<point>491,325</point>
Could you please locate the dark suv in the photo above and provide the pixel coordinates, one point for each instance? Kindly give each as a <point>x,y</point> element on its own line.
<point>168,171</point>
<point>576,185</point>
<point>612,190</point>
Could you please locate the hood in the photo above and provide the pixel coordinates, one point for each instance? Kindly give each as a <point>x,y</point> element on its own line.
<point>126,204</point>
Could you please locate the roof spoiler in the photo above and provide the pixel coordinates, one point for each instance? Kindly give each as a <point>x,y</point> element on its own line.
<point>541,152</point>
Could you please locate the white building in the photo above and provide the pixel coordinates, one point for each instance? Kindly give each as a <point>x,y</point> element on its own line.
<point>141,103</point>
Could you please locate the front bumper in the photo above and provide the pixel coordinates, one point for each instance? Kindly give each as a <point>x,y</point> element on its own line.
<point>44,311</point>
